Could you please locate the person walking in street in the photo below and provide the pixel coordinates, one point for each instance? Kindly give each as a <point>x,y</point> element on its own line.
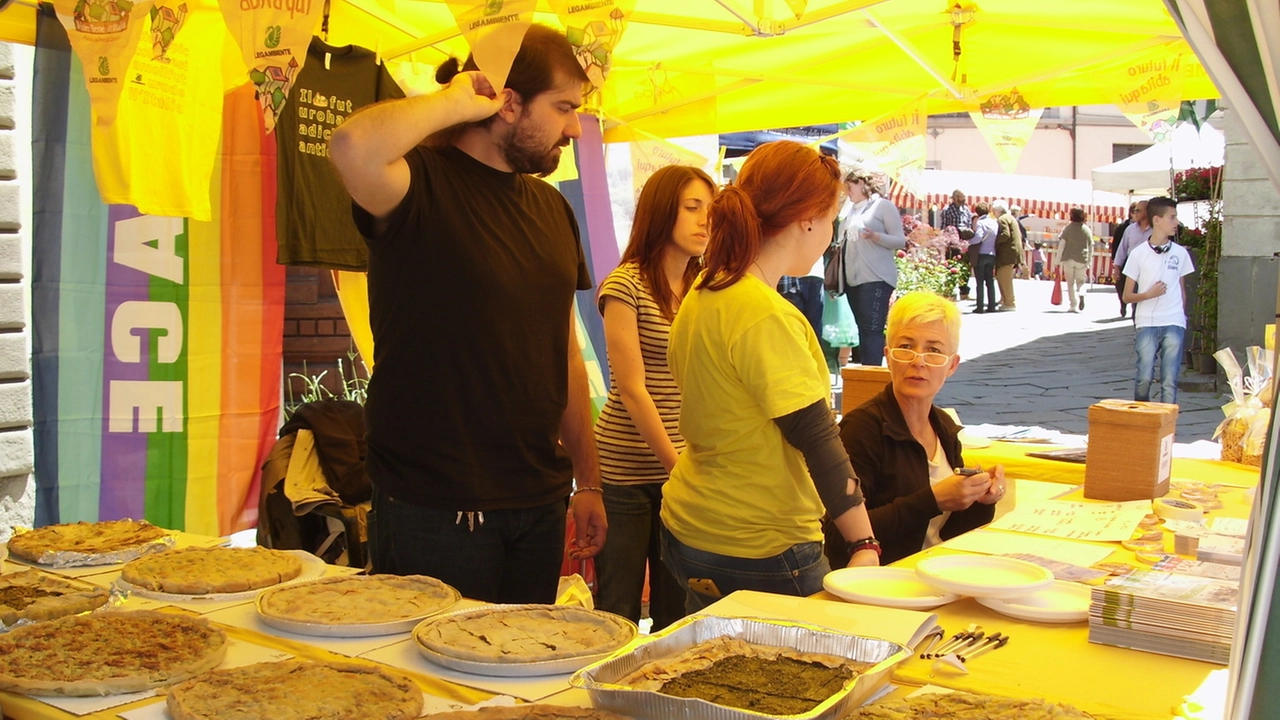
<point>1138,233</point>
<point>1155,282</point>
<point>479,412</point>
<point>1076,252</point>
<point>1116,270</point>
<point>958,216</point>
<point>872,233</point>
<point>1008,252</point>
<point>637,430</point>
<point>984,247</point>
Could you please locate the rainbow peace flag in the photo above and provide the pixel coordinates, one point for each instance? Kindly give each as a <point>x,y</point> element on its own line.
<point>157,341</point>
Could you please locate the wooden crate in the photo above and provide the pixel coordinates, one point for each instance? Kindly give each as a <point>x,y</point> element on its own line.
<point>861,383</point>
<point>1130,452</point>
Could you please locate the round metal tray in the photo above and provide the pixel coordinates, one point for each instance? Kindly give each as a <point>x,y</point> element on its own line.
<point>514,669</point>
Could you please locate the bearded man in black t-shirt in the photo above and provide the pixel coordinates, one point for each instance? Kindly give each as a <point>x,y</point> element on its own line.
<point>478,411</point>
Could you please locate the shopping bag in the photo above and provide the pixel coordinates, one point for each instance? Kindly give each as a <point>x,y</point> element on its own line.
<point>838,326</point>
<point>1056,297</point>
<point>833,273</point>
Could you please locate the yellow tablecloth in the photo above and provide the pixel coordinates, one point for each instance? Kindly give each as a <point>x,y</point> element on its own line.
<point>1016,464</point>
<point>1057,662</point>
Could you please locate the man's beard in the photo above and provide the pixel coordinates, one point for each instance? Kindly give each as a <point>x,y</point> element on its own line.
<point>525,153</point>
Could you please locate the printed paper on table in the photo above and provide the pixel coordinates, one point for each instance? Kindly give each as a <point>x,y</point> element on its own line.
<point>1099,522</point>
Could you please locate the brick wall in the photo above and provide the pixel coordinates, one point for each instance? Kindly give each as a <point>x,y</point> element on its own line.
<point>17,492</point>
<point>315,332</point>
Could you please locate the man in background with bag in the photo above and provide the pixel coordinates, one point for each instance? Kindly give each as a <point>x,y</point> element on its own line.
<point>958,216</point>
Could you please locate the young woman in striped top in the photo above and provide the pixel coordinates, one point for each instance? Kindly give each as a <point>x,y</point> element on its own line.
<point>636,433</point>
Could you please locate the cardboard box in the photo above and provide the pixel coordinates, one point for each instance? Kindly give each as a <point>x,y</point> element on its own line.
<point>861,383</point>
<point>1130,454</point>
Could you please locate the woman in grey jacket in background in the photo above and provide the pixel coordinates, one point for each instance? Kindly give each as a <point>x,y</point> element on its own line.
<point>871,230</point>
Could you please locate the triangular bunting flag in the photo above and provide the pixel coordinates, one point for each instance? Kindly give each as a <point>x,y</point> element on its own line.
<point>894,144</point>
<point>1151,97</point>
<point>1006,121</point>
<point>273,39</point>
<point>594,29</point>
<point>651,155</point>
<point>104,35</point>
<point>494,29</point>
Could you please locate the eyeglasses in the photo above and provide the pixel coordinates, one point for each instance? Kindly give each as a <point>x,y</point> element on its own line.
<point>907,355</point>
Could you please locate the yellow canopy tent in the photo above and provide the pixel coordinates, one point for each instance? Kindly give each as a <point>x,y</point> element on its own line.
<point>688,67</point>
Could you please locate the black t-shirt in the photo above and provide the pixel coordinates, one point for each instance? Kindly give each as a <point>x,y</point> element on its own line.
<point>313,224</point>
<point>471,285</point>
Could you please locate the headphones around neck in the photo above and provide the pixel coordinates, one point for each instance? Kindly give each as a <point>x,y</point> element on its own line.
<point>1160,249</point>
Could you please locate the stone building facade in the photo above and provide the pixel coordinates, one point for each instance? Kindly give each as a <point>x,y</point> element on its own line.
<point>17,456</point>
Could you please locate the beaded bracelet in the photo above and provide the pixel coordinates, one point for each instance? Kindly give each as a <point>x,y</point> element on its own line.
<point>589,488</point>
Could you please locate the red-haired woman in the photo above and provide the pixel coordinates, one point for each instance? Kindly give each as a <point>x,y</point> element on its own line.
<point>742,509</point>
<point>636,433</point>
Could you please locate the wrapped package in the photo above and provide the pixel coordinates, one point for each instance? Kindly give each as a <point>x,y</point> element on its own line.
<point>1243,433</point>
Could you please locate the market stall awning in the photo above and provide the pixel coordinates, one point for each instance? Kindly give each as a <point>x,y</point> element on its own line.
<point>1046,197</point>
<point>688,68</point>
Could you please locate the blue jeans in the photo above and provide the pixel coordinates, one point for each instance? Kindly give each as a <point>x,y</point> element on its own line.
<point>708,576</point>
<point>870,305</point>
<point>1165,342</point>
<point>514,556</point>
<point>633,542</point>
<point>806,294</point>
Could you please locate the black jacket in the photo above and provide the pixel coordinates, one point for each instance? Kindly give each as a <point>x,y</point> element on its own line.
<point>893,469</point>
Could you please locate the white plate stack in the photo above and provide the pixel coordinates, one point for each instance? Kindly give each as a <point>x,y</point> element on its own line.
<point>1166,613</point>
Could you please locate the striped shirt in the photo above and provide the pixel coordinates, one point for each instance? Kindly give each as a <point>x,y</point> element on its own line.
<point>624,455</point>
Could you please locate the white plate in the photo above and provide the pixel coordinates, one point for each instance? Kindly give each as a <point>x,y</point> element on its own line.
<point>1061,602</point>
<point>312,568</point>
<point>347,630</point>
<point>560,666</point>
<point>888,586</point>
<point>983,575</point>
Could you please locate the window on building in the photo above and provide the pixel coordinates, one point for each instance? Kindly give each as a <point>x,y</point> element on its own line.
<point>1120,151</point>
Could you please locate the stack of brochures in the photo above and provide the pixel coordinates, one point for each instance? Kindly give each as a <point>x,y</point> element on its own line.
<point>1166,613</point>
<point>1221,549</point>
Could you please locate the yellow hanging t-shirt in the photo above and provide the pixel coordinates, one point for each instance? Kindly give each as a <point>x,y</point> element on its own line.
<point>741,357</point>
<point>159,153</point>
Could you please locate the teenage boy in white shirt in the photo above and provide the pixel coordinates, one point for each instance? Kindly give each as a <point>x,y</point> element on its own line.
<point>1158,267</point>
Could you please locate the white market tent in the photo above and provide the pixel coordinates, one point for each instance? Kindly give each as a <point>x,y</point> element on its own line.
<point>1150,172</point>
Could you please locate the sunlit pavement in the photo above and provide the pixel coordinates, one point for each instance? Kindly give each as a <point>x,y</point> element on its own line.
<point>1042,365</point>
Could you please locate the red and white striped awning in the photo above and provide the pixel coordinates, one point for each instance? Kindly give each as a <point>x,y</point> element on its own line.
<point>1055,209</point>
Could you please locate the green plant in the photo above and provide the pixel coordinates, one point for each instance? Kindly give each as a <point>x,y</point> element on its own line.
<point>354,388</point>
<point>1208,237</point>
<point>926,268</point>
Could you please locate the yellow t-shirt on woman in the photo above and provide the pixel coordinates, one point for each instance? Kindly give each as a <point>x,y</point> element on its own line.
<point>741,357</point>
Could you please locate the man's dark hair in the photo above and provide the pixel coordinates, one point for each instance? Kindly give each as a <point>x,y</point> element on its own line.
<point>1077,214</point>
<point>1160,206</point>
<point>544,53</point>
<point>545,58</point>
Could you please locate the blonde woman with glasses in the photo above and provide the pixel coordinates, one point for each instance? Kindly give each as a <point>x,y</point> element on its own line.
<point>906,451</point>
